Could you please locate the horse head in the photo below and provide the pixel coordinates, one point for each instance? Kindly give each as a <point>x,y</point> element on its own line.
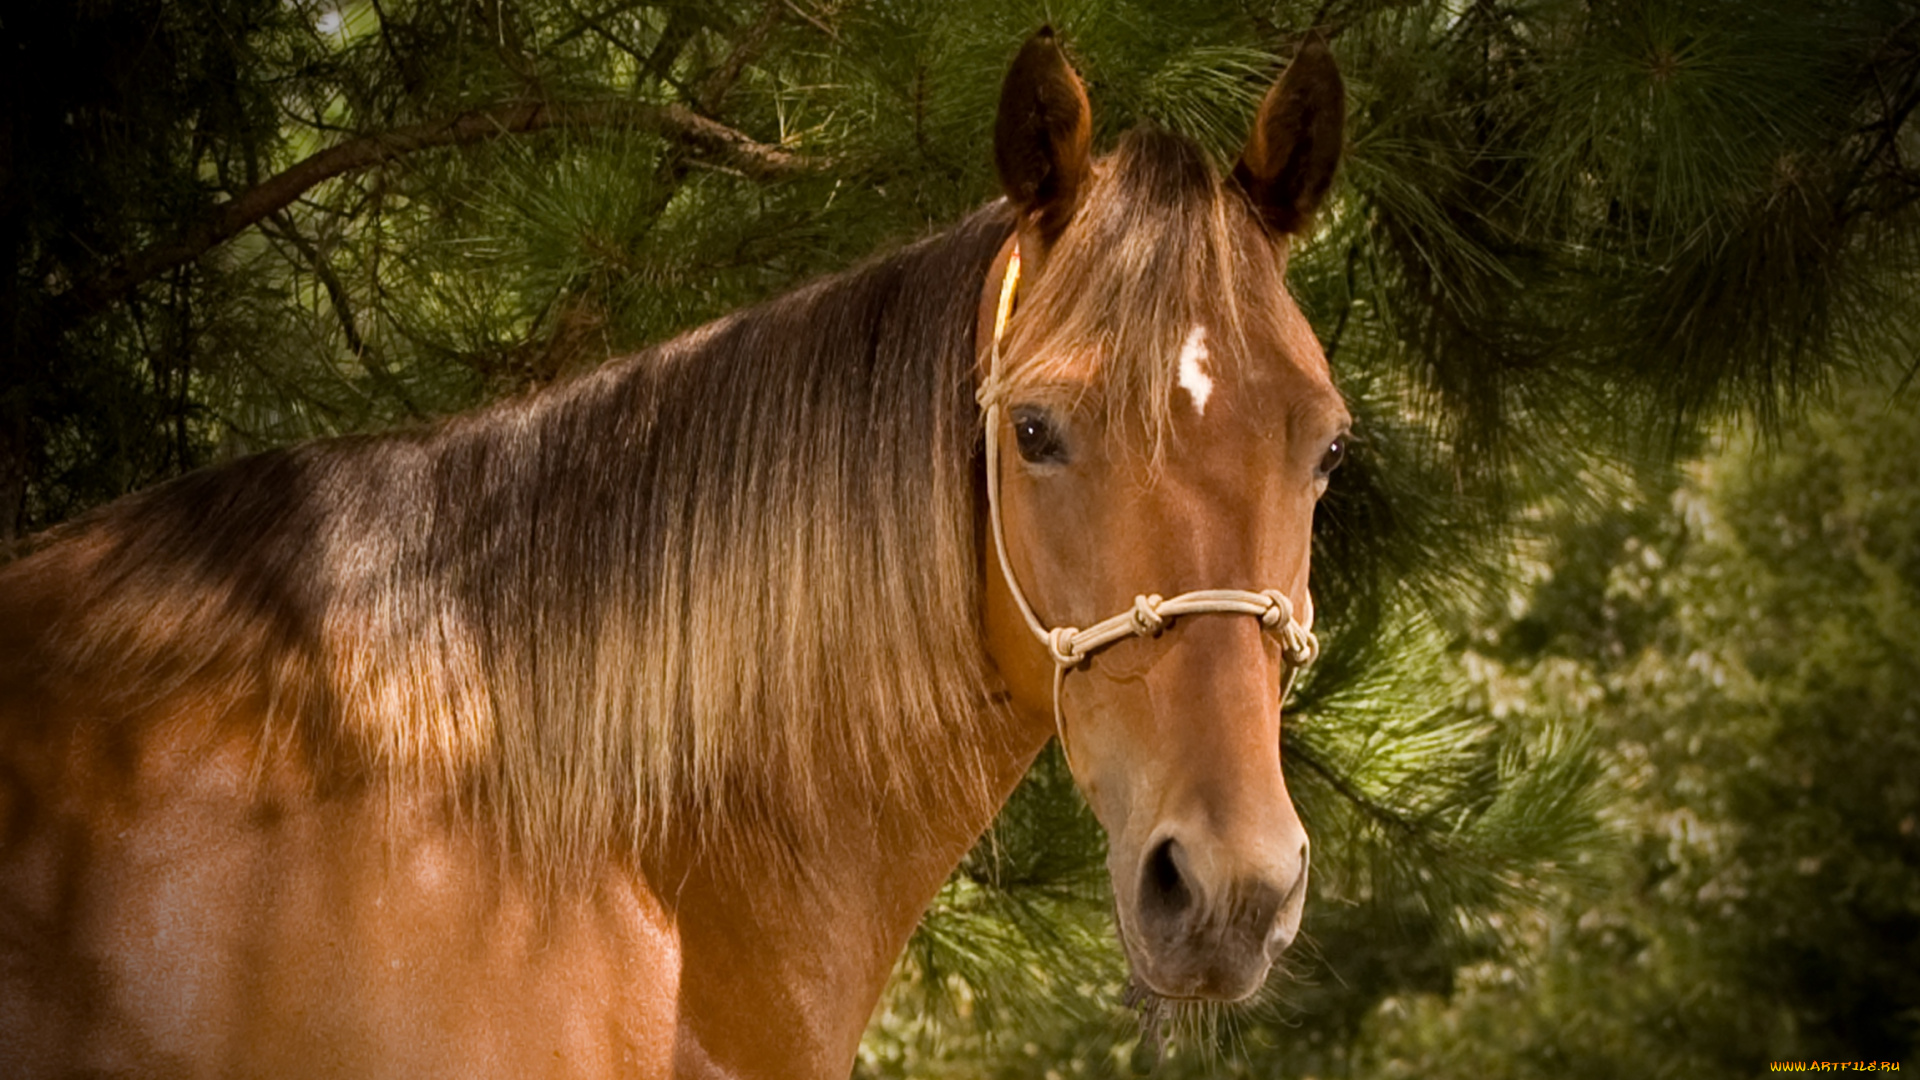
<point>1161,422</point>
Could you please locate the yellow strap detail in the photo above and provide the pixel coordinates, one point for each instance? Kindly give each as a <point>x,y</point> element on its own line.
<point>1008,284</point>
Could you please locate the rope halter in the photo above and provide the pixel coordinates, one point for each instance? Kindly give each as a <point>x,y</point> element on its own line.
<point>1150,614</point>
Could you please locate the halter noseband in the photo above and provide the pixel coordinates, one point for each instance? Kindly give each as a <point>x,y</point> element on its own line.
<point>1069,646</point>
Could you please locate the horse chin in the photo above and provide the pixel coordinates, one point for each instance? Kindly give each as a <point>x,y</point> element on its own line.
<point>1221,976</point>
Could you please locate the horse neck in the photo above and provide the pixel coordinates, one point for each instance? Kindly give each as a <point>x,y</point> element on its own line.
<point>812,940</point>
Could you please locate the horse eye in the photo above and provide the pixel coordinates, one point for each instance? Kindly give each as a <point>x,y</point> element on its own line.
<point>1336,453</point>
<point>1038,439</point>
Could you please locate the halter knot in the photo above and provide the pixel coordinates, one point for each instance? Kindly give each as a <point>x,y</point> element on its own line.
<point>1279,609</point>
<point>1147,620</point>
<point>1064,649</point>
<point>1298,646</point>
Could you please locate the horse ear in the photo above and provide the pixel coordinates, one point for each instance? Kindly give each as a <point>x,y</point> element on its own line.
<point>1295,145</point>
<point>1043,136</point>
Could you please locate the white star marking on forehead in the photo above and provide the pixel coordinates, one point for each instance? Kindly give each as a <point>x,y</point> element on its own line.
<point>1194,378</point>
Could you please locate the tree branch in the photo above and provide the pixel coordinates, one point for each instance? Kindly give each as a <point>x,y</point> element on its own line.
<point>720,82</point>
<point>342,303</point>
<point>703,138</point>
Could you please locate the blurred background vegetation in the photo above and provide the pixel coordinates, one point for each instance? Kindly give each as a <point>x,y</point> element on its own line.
<point>1613,761</point>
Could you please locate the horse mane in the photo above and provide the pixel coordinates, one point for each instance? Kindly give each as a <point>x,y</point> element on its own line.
<point>1159,245</point>
<point>663,599</point>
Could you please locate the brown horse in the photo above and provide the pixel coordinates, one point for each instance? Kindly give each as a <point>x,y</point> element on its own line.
<point>628,728</point>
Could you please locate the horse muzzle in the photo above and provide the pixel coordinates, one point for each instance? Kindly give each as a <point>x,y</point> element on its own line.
<point>1200,926</point>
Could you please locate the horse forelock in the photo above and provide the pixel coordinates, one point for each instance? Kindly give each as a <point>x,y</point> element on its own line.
<point>1162,245</point>
<point>694,596</point>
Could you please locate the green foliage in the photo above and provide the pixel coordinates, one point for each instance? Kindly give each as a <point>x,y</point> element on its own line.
<point>1746,646</point>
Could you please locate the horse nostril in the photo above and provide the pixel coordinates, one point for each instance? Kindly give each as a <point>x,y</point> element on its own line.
<point>1165,894</point>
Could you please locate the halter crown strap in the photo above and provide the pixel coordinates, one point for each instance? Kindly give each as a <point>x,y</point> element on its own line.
<point>1069,646</point>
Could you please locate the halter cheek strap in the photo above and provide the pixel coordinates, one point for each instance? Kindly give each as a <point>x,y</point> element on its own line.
<point>1069,646</point>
